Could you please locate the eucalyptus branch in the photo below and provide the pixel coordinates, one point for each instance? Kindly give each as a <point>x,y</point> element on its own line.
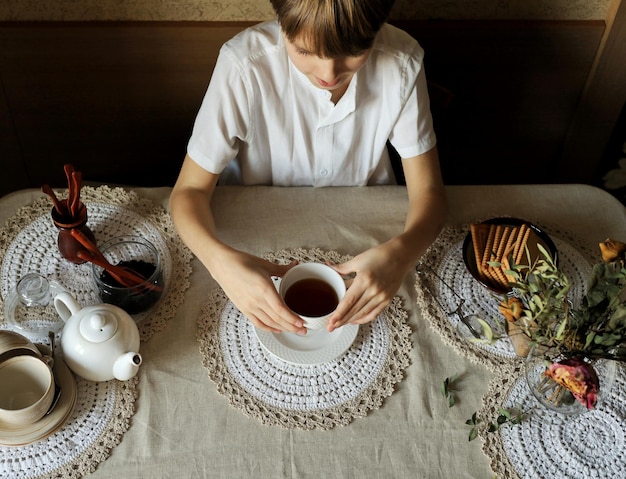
<point>505,416</point>
<point>548,318</point>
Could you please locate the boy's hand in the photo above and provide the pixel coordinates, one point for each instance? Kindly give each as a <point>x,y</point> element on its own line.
<point>378,276</point>
<point>247,281</point>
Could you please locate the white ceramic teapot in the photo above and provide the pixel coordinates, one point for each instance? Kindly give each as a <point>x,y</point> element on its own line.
<point>99,342</point>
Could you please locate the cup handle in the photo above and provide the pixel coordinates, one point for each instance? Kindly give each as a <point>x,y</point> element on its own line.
<point>276,280</point>
<point>66,305</point>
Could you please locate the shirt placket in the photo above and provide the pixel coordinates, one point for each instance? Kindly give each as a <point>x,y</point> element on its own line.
<point>324,155</point>
<point>324,141</point>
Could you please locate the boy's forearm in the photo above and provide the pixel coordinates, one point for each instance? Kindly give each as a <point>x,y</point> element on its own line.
<point>428,205</point>
<point>423,224</point>
<point>194,222</point>
<point>425,219</point>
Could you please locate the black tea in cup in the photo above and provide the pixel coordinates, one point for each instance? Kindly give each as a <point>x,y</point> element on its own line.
<point>311,297</point>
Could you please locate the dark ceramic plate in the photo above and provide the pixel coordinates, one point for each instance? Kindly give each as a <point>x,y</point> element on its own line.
<point>468,248</point>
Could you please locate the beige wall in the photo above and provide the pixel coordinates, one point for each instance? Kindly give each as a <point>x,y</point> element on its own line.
<point>256,10</point>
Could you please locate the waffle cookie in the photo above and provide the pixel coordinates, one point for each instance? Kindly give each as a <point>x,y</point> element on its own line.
<point>497,247</point>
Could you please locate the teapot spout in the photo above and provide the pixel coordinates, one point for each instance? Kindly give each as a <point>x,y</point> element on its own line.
<point>126,366</point>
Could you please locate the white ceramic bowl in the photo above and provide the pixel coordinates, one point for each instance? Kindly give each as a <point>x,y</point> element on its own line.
<point>27,390</point>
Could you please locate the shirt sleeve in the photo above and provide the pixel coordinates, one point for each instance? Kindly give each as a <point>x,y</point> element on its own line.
<point>413,133</point>
<point>223,120</point>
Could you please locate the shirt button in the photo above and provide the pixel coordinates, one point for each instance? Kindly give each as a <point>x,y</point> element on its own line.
<point>324,172</point>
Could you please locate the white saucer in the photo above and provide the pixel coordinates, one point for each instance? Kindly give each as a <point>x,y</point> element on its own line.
<point>317,347</point>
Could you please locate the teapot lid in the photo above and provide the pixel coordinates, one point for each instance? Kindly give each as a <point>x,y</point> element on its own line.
<point>99,324</point>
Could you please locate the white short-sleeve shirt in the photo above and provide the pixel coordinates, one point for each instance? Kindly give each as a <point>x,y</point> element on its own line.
<point>263,122</point>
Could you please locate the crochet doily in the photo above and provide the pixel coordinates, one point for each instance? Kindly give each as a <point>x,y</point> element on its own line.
<point>444,285</point>
<point>102,413</point>
<point>28,243</point>
<point>550,445</point>
<point>318,396</point>
<point>95,426</point>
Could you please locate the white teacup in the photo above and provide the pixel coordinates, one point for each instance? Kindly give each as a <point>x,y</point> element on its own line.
<point>312,291</point>
<point>27,390</point>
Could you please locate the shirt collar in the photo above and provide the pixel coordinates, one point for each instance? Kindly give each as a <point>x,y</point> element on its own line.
<point>328,113</point>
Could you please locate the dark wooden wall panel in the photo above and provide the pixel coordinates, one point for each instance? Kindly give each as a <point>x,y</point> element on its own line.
<point>14,175</point>
<point>603,101</point>
<point>118,99</point>
<point>516,86</point>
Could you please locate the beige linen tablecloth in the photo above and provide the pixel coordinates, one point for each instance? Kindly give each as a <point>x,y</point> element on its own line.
<point>184,428</point>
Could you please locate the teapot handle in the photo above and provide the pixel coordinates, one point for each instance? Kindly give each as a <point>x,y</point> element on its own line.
<point>66,305</point>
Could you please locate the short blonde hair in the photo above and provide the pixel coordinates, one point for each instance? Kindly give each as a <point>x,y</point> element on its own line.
<point>333,28</point>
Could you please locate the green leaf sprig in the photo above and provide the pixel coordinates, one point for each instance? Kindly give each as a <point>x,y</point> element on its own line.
<point>505,416</point>
<point>446,390</point>
<point>595,329</point>
<point>474,423</point>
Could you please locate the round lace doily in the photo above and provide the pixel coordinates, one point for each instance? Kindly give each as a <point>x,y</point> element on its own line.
<point>103,410</point>
<point>444,284</point>
<point>28,243</point>
<point>96,425</point>
<point>552,445</point>
<point>318,396</point>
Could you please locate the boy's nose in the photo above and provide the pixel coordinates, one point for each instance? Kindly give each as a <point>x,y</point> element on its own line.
<point>328,70</point>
